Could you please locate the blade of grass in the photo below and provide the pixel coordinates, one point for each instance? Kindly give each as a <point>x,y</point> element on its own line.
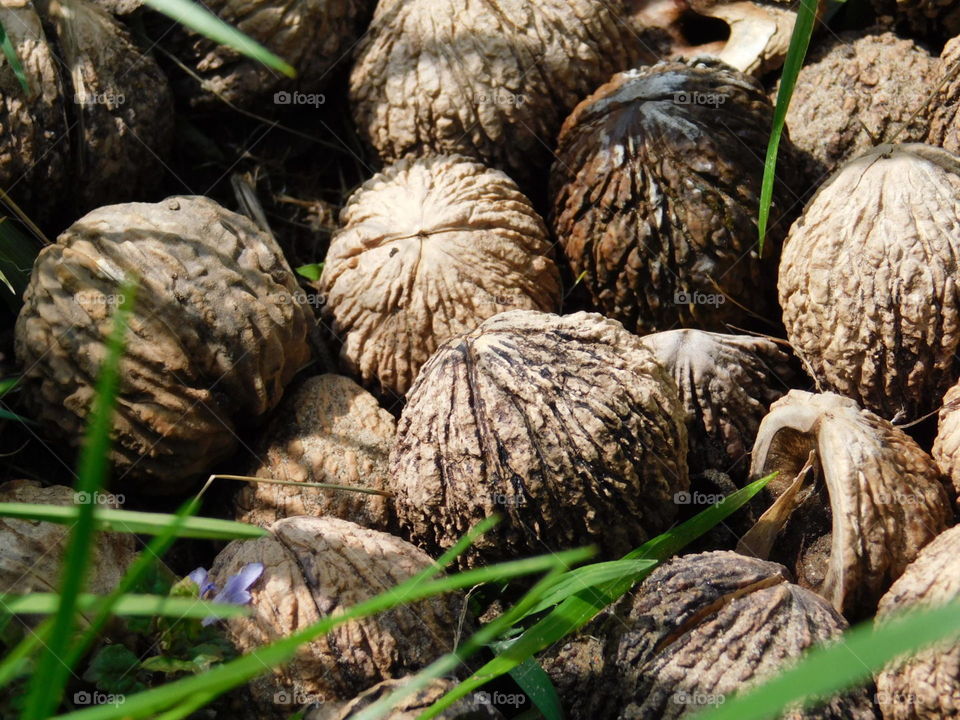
<point>127,606</point>
<point>797,51</point>
<point>10,53</point>
<point>311,272</point>
<point>8,385</point>
<point>7,415</point>
<point>197,18</point>
<point>538,686</point>
<point>17,253</point>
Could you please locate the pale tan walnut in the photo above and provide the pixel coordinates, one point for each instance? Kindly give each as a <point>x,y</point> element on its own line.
<point>429,249</point>
<point>218,330</point>
<point>868,280</point>
<point>934,20</point>
<point>319,567</point>
<point>492,80</point>
<point>876,501</point>
<point>329,430</point>
<point>476,706</point>
<point>655,195</point>
<point>566,426</point>
<point>856,91</point>
<point>31,552</point>
<point>946,446</point>
<point>945,116</point>
<point>926,686</point>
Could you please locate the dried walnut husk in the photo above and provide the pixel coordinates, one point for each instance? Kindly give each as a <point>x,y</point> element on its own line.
<point>945,115</point>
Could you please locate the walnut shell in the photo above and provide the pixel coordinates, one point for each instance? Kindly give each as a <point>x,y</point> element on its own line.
<point>330,430</point>
<point>315,567</point>
<point>566,426</point>
<point>490,80</point>
<point>216,334</point>
<point>931,19</point>
<point>429,249</point>
<point>868,280</point>
<point>705,626</point>
<point>30,551</point>
<point>856,91</point>
<point>655,195</point>
<point>946,446</point>
<point>468,708</point>
<point>885,496</point>
<point>926,686</point>
<point>945,117</point>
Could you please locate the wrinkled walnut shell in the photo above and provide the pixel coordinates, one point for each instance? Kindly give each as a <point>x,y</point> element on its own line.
<point>468,708</point>
<point>946,446</point>
<point>429,249</point>
<point>566,426</point>
<point>945,116</point>
<point>931,19</point>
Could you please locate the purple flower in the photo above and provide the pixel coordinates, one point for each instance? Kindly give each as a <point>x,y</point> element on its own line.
<point>237,589</point>
<point>201,578</point>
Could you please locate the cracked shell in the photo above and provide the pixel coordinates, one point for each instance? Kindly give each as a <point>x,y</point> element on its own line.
<point>566,426</point>
<point>216,333</point>
<point>945,118</point>
<point>316,567</point>
<point>878,499</point>
<point>655,195</point>
<point>329,430</point>
<point>429,249</point>
<point>492,80</point>
<point>868,280</point>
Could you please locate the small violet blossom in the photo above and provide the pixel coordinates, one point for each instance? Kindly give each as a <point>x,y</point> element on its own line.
<point>236,591</point>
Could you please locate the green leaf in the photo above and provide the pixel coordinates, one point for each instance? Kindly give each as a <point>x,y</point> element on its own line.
<point>799,42</point>
<point>128,605</point>
<point>7,415</point>
<point>8,385</point>
<point>197,18</point>
<point>538,686</point>
<point>131,521</point>
<point>311,272</point>
<point>10,53</point>
<point>113,670</point>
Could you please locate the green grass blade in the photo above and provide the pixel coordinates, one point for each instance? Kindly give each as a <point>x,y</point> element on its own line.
<point>8,385</point>
<point>10,53</point>
<point>538,686</point>
<point>133,521</point>
<point>48,682</point>
<point>7,415</point>
<point>197,18</point>
<point>799,42</point>
<point>17,253</point>
<point>127,606</point>
<point>825,671</point>
<point>311,272</point>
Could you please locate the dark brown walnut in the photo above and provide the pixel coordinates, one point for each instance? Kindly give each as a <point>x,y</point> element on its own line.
<point>856,91</point>
<point>330,430</point>
<point>318,567</point>
<point>489,79</point>
<point>945,116</point>
<point>946,446</point>
<point>876,501</point>
<point>655,194</point>
<point>474,707</point>
<point>726,384</point>
<point>935,20</point>
<point>216,333</point>
<point>868,280</point>
<point>701,628</point>
<point>313,36</point>
<point>927,685</point>
<point>565,426</point>
<point>31,551</point>
<point>429,249</point>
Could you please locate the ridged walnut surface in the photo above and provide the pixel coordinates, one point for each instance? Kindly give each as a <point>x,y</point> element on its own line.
<point>946,446</point>
<point>655,195</point>
<point>316,567</point>
<point>886,496</point>
<point>726,384</point>
<point>928,686</point>
<point>868,280</point>
<point>856,91</point>
<point>216,333</point>
<point>469,708</point>
<point>491,79</point>
<point>429,249</point>
<point>945,120</point>
<point>330,430</point>
<point>566,426</point>
<point>932,19</point>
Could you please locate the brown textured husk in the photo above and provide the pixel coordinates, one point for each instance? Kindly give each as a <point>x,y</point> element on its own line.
<point>868,280</point>
<point>429,249</point>
<point>934,20</point>
<point>492,80</point>
<point>697,630</point>
<point>410,708</point>
<point>886,495</point>
<point>329,430</point>
<point>856,91</point>
<point>318,567</point>
<point>945,116</point>
<point>566,426</point>
<point>654,198</point>
<point>927,686</point>
<point>217,332</point>
<point>946,446</point>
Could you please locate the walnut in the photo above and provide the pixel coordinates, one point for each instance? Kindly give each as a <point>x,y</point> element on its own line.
<point>880,501</point>
<point>858,90</point>
<point>475,707</point>
<point>867,280</point>
<point>946,446</point>
<point>655,195</point>
<point>931,19</point>
<point>217,333</point>
<point>926,686</point>
<point>429,249</point>
<point>491,80</point>
<point>316,567</point>
<point>566,426</point>
<point>945,117</point>
<point>332,431</point>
